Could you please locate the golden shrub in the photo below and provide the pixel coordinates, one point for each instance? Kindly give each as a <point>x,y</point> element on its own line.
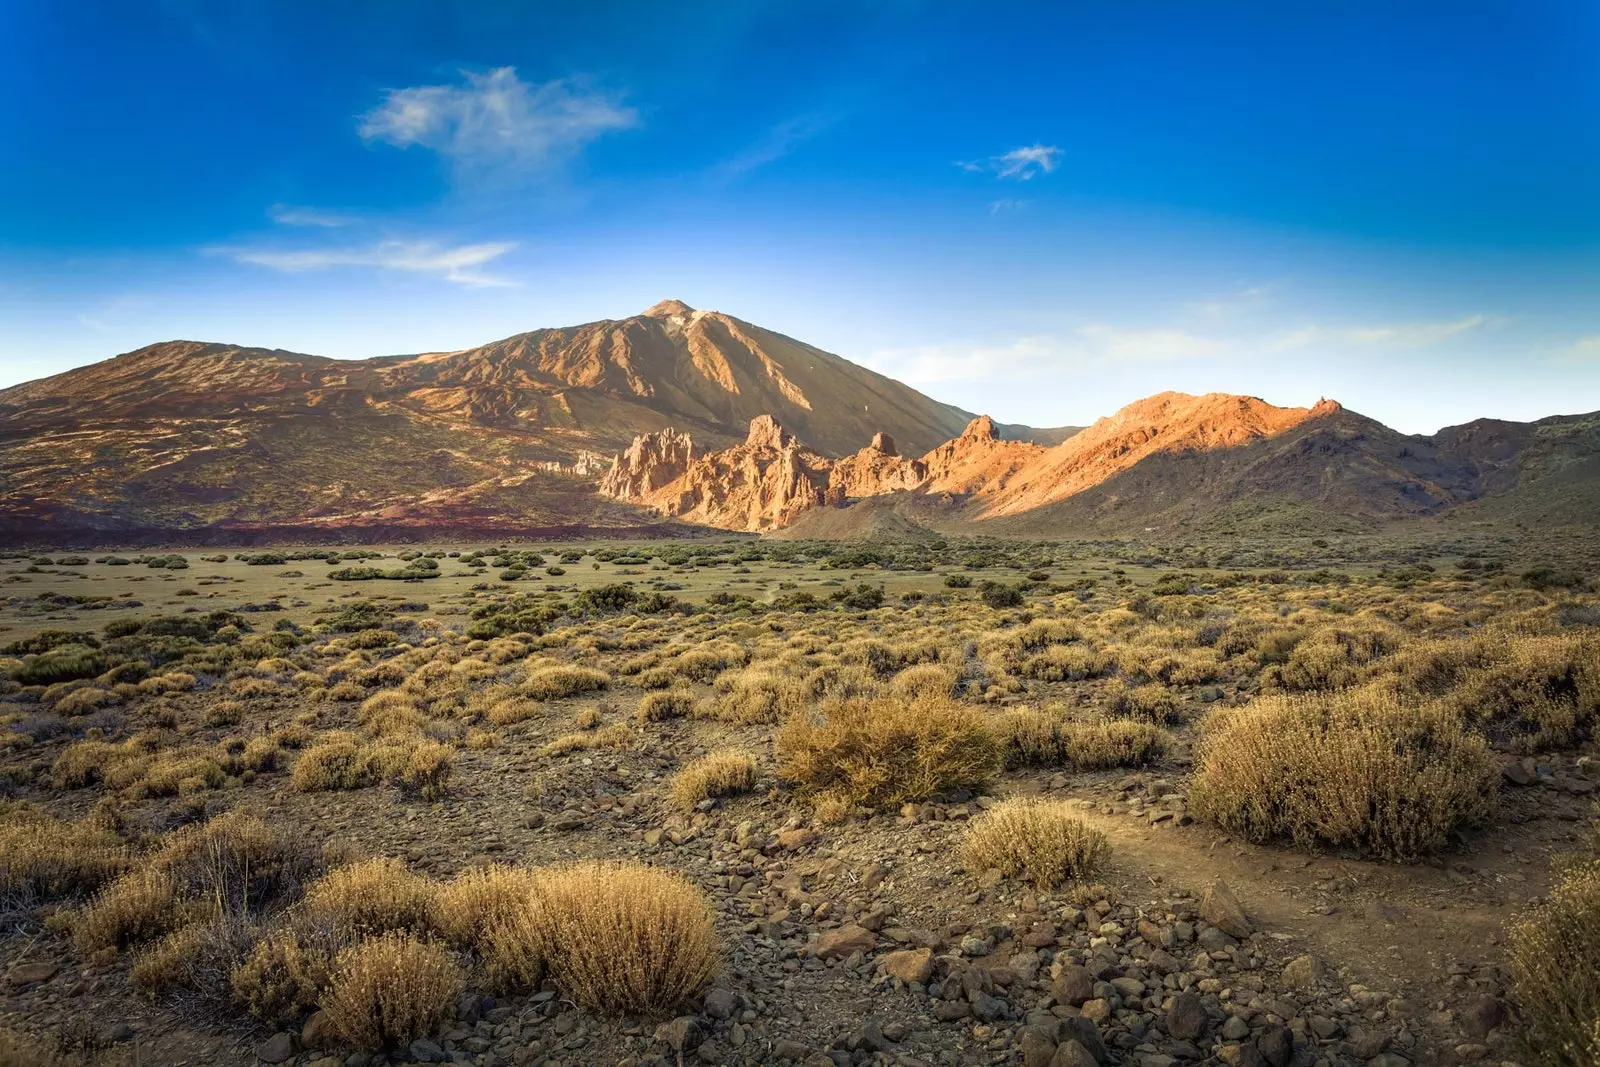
<point>1039,839</point>
<point>1352,769</point>
<point>83,701</point>
<point>43,858</point>
<point>926,680</point>
<point>622,938</point>
<point>757,695</point>
<point>371,897</point>
<point>1555,972</point>
<point>284,974</point>
<point>390,990</point>
<point>469,906</point>
<point>1103,744</point>
<point>617,735</point>
<point>887,751</point>
<point>427,771</point>
<point>141,905</point>
<point>665,704</point>
<point>555,683</point>
<point>720,774</point>
<point>337,762</point>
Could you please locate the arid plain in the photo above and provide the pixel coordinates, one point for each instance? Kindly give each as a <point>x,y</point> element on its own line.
<point>941,801</point>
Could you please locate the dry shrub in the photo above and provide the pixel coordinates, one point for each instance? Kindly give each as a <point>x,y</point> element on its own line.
<point>720,774</point>
<point>1064,663</point>
<point>391,713</point>
<point>1100,745</point>
<point>1555,972</point>
<point>137,907</point>
<point>1147,703</point>
<point>555,683</point>
<point>427,770</point>
<point>1539,692</point>
<point>371,897</point>
<point>706,662</point>
<point>887,751</point>
<point>926,680</point>
<point>1353,769</point>
<point>621,938</point>
<point>588,718</point>
<point>666,704</point>
<point>471,905</point>
<point>223,713</point>
<point>617,735</point>
<point>261,753</point>
<point>1036,738</point>
<point>390,990</point>
<point>42,858</point>
<point>284,974</point>
<point>843,681</point>
<point>1331,658</point>
<point>83,701</point>
<point>504,709</point>
<point>757,695</point>
<point>195,963</point>
<point>337,762</point>
<point>171,682</point>
<point>234,865</point>
<point>1034,838</point>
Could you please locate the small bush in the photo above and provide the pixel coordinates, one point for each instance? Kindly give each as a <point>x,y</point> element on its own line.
<point>371,897</point>
<point>390,990</point>
<point>283,976</point>
<point>887,751</point>
<point>1034,738</point>
<point>623,938</point>
<point>428,770</point>
<point>926,680</point>
<point>469,907</point>
<point>757,695</point>
<point>555,683</point>
<point>1555,972</point>
<point>1034,838</point>
<point>44,859</point>
<point>721,774</point>
<point>1354,769</point>
<point>665,704</point>
<point>617,735</point>
<point>336,763</point>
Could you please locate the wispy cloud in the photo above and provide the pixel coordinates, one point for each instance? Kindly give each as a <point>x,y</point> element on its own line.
<point>498,121</point>
<point>1007,205</point>
<point>1389,335</point>
<point>306,216</point>
<point>461,264</point>
<point>773,145</point>
<point>1585,350</point>
<point>1019,164</point>
<point>1096,345</point>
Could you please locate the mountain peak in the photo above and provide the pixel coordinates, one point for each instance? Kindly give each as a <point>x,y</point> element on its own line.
<point>668,308</point>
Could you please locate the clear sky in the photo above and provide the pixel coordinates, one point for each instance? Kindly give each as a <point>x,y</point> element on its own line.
<point>1041,211</point>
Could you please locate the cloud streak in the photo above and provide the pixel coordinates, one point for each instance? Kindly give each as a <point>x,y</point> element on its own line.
<point>495,120</point>
<point>306,216</point>
<point>461,264</point>
<point>1388,335</point>
<point>1020,164</point>
<point>1096,345</point>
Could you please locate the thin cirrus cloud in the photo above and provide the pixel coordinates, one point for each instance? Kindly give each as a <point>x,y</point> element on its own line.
<point>776,143</point>
<point>306,216</point>
<point>461,264</point>
<point>1092,345</point>
<point>497,121</point>
<point>1019,164</point>
<point>1389,335</point>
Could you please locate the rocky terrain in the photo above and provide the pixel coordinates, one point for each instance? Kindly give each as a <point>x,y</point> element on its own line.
<point>192,438</point>
<point>1166,463</point>
<point>560,717</point>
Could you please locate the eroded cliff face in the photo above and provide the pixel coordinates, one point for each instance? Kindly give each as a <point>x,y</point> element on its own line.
<point>772,478</point>
<point>761,484</point>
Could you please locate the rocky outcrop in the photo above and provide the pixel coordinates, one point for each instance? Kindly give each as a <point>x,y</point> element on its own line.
<point>653,460</point>
<point>762,484</point>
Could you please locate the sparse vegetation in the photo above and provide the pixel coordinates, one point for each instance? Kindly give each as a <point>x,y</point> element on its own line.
<point>1351,769</point>
<point>1041,840</point>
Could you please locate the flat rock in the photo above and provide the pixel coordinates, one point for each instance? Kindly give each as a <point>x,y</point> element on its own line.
<point>845,940</point>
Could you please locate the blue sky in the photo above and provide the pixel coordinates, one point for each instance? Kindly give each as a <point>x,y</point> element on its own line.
<point>1039,211</point>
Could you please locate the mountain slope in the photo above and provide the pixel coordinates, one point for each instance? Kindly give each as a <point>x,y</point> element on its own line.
<point>1168,462</point>
<point>184,435</point>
